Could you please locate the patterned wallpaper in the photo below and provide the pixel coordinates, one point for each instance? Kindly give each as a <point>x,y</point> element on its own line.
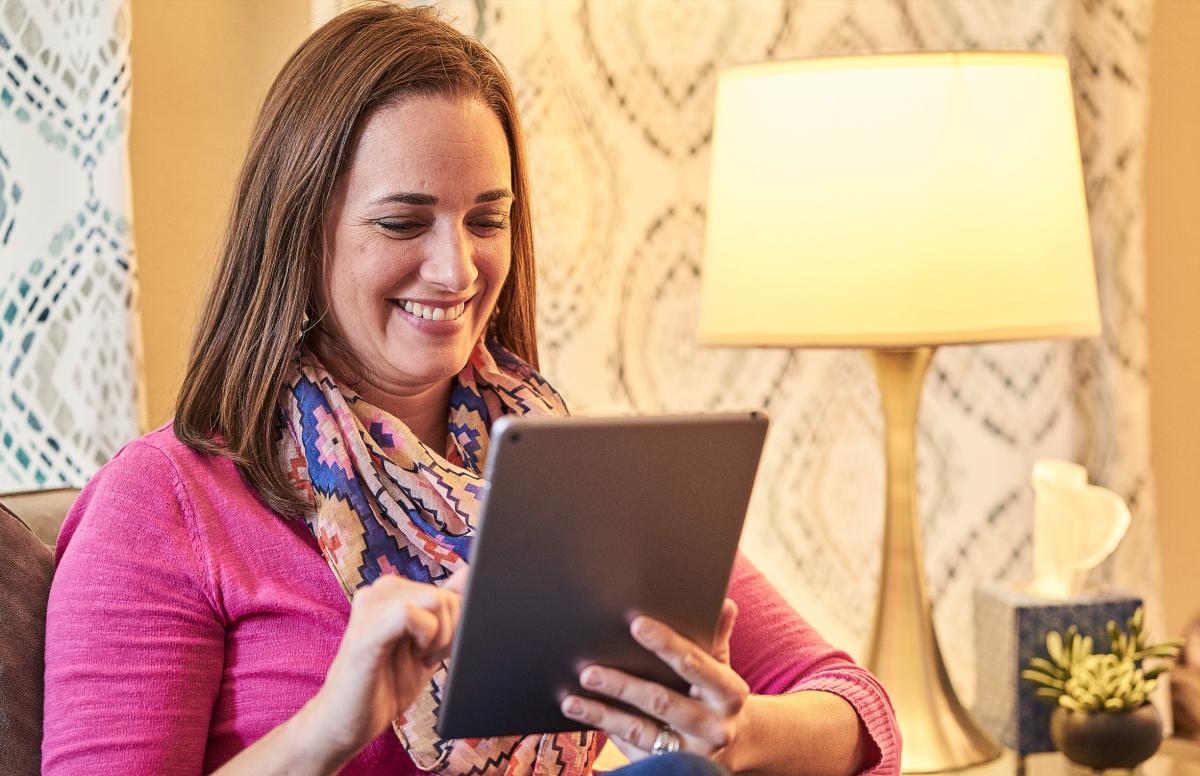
<point>67,372</point>
<point>617,99</point>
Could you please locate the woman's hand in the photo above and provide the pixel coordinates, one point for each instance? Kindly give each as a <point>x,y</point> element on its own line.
<point>707,720</point>
<point>398,635</point>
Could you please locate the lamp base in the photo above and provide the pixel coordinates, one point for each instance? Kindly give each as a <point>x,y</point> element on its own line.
<point>903,653</point>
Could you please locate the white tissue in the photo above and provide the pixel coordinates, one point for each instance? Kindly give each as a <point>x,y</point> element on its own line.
<point>1075,527</point>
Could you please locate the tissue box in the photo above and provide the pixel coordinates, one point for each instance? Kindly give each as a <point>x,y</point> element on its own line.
<point>1010,628</point>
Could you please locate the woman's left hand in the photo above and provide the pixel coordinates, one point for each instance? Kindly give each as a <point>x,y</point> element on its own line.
<point>707,720</point>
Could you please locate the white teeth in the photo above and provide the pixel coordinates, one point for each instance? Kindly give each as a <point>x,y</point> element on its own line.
<point>434,313</point>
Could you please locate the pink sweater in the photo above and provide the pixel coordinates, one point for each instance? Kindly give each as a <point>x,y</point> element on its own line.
<point>187,619</point>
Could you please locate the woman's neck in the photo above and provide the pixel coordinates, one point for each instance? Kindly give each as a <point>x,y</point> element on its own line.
<point>425,411</point>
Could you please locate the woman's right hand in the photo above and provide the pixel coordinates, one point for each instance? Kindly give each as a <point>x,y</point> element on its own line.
<point>398,635</point>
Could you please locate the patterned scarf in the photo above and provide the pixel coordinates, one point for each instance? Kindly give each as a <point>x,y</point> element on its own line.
<point>387,504</point>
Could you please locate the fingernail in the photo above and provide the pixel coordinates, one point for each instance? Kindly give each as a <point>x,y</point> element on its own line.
<point>643,629</point>
<point>572,707</point>
<point>590,678</point>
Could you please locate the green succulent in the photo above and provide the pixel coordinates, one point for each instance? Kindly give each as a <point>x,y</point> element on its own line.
<point>1074,677</point>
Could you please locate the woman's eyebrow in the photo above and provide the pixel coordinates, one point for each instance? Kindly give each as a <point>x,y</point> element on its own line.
<point>407,198</point>
<point>494,195</point>
<point>413,198</point>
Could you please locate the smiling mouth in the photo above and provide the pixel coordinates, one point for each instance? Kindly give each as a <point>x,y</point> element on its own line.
<point>431,312</point>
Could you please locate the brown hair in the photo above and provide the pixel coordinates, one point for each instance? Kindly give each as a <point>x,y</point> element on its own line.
<point>262,305</point>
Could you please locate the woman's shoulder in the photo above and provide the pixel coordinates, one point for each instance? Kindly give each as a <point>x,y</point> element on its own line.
<point>161,459</point>
<point>164,445</point>
<point>157,480</point>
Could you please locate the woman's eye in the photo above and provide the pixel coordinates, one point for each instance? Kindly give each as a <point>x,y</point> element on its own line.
<point>399,227</point>
<point>491,224</point>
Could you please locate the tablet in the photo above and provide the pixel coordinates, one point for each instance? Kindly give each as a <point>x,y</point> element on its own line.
<point>587,522</point>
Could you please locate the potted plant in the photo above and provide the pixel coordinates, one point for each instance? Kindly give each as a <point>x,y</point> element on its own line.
<point>1103,717</point>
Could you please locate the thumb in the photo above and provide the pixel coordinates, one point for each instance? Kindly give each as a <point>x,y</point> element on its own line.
<point>729,613</point>
<point>457,583</point>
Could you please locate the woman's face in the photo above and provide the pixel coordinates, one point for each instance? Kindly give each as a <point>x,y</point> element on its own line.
<point>418,240</point>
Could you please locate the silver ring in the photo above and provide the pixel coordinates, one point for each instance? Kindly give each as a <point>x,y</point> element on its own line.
<point>666,741</point>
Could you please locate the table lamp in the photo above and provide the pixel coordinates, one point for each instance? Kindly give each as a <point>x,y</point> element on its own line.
<point>898,203</point>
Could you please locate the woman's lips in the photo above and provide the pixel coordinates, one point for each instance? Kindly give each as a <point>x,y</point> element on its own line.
<point>432,312</point>
<point>430,318</point>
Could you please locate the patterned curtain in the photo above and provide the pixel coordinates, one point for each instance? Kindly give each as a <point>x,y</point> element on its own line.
<point>67,368</point>
<point>617,99</point>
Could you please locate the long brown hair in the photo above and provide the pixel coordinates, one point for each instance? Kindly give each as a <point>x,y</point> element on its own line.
<point>262,305</point>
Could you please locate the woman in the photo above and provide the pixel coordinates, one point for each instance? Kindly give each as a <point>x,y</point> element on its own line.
<point>269,583</point>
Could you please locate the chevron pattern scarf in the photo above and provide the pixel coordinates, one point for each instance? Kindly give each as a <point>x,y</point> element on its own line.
<point>387,504</point>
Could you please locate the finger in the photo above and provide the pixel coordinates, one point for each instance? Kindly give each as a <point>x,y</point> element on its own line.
<point>638,731</point>
<point>392,586</point>
<point>688,716</point>
<point>447,614</point>
<point>729,613</point>
<point>631,752</point>
<point>376,625</point>
<point>422,625</point>
<point>457,583</point>
<point>716,683</point>
<point>446,621</point>
<point>393,606</point>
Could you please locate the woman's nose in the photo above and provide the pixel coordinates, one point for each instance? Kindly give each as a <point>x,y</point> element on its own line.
<point>450,262</point>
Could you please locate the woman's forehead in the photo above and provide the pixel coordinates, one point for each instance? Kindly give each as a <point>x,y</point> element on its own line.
<point>421,136</point>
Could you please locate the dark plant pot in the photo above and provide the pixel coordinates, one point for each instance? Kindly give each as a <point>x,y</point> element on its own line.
<point>1107,739</point>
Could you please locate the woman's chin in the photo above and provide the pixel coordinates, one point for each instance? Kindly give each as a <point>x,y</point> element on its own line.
<point>427,364</point>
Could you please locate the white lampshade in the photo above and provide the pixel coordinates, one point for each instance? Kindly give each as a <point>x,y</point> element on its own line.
<point>897,201</point>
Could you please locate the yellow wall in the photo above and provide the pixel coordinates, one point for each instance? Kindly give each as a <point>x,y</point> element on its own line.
<point>200,71</point>
<point>1173,278</point>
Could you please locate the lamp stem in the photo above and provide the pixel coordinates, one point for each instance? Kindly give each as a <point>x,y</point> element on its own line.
<point>903,650</point>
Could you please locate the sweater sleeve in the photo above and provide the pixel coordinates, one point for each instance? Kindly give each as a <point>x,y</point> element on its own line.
<point>776,651</point>
<point>134,640</point>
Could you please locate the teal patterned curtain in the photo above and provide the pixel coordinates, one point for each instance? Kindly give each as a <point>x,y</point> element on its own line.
<point>67,372</point>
